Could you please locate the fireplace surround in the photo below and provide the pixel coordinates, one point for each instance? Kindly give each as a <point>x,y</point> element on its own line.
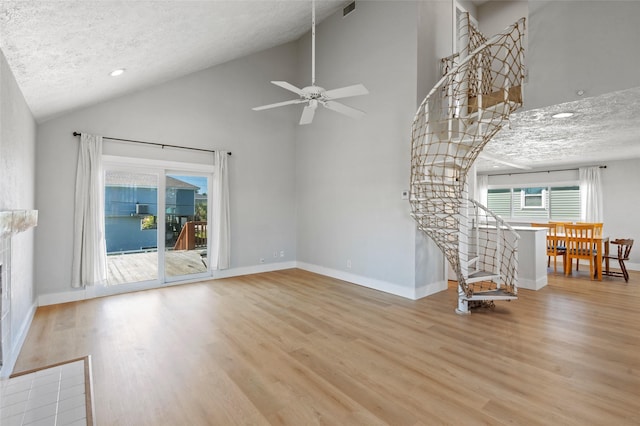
<point>11,223</point>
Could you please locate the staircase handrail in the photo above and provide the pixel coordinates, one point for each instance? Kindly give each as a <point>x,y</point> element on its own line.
<point>510,278</point>
<point>454,70</point>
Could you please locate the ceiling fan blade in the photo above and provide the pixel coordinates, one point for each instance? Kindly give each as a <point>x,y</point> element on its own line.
<point>290,87</point>
<point>343,109</point>
<point>308,113</point>
<point>345,92</point>
<point>279,104</point>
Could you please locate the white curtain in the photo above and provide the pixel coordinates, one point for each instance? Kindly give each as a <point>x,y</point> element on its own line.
<point>482,189</point>
<point>221,252</point>
<point>89,265</point>
<point>591,194</point>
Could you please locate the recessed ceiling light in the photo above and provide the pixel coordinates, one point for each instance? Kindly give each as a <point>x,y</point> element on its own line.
<point>117,72</point>
<point>562,115</point>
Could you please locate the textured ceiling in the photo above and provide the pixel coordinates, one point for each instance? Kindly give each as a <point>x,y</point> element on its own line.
<point>61,53</point>
<point>604,127</point>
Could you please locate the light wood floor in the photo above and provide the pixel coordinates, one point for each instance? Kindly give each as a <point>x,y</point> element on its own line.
<point>296,348</point>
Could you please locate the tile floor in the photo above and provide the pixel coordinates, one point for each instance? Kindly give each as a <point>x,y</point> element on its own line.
<point>52,396</point>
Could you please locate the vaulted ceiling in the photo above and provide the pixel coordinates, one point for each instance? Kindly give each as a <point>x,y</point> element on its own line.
<point>61,53</point>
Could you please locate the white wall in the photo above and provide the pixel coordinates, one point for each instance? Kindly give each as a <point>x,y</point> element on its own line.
<point>586,45</point>
<point>350,173</point>
<point>209,109</point>
<point>17,189</point>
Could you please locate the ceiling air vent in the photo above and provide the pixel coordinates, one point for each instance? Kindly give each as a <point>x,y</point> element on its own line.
<point>349,8</point>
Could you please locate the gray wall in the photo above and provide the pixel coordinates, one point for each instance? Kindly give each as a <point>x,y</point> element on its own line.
<point>324,193</point>
<point>494,16</point>
<point>350,174</point>
<point>17,186</point>
<point>209,109</point>
<point>588,45</point>
<point>619,185</point>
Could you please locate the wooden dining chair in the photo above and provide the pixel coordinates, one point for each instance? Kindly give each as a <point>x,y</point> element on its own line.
<point>559,226</point>
<point>581,244</point>
<point>597,233</point>
<point>622,255</point>
<point>555,245</point>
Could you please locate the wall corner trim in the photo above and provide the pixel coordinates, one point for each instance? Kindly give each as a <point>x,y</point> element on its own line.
<point>8,366</point>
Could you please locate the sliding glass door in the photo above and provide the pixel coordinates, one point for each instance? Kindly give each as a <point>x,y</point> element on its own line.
<point>186,233</point>
<point>156,225</point>
<point>131,212</point>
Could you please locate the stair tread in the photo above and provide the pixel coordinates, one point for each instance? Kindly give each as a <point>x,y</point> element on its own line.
<point>452,183</point>
<point>433,200</point>
<point>499,294</point>
<point>438,215</point>
<point>478,274</point>
<point>438,228</point>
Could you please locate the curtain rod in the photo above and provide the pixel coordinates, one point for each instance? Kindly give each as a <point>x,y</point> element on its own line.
<point>155,143</point>
<point>540,171</point>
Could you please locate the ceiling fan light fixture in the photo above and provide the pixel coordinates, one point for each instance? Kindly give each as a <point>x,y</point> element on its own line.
<point>313,95</point>
<point>562,115</point>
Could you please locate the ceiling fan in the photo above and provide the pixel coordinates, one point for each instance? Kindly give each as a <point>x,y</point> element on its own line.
<point>314,95</point>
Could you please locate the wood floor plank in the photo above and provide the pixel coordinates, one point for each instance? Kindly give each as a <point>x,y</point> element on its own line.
<point>296,348</point>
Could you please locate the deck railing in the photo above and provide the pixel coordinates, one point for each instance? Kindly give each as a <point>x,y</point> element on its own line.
<point>192,235</point>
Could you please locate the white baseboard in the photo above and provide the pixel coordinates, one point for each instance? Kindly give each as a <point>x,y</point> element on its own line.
<point>532,284</point>
<point>429,289</point>
<point>91,292</point>
<point>18,341</point>
<point>385,286</point>
<point>63,297</point>
<point>255,269</point>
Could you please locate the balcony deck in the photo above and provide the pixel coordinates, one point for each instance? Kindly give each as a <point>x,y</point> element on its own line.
<point>136,267</point>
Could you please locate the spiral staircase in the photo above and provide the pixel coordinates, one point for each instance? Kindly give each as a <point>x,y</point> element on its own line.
<point>481,86</point>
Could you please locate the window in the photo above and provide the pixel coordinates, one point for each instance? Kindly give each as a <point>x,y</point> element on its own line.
<point>539,202</point>
<point>533,198</point>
